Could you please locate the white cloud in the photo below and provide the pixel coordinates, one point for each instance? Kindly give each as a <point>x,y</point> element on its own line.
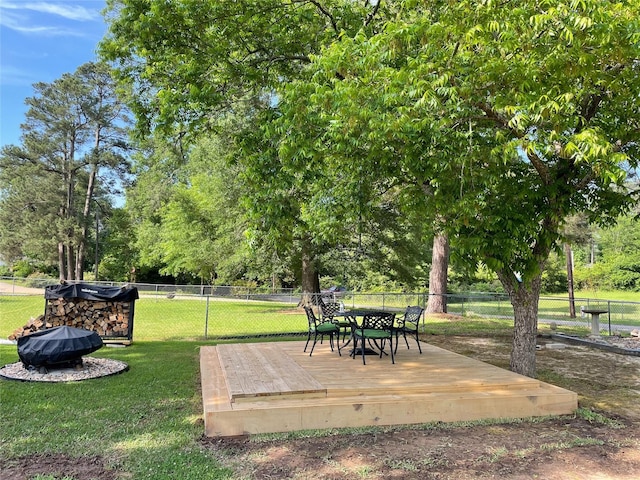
<point>70,12</point>
<point>22,24</point>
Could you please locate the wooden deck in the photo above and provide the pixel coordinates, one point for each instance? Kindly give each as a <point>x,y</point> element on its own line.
<point>276,387</point>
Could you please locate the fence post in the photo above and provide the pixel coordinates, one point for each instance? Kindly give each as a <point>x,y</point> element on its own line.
<point>462,305</point>
<point>206,318</point>
<point>609,314</point>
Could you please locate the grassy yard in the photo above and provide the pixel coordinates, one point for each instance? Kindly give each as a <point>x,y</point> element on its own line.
<point>147,423</point>
<point>196,318</point>
<point>160,318</point>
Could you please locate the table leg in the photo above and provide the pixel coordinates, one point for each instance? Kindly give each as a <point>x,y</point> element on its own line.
<point>595,324</point>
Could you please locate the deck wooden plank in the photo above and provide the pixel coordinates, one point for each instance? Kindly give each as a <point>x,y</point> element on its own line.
<point>252,371</point>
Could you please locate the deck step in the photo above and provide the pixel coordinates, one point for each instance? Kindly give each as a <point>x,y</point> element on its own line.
<point>252,371</point>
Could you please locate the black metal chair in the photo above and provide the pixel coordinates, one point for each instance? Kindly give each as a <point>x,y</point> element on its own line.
<point>329,312</point>
<point>408,324</point>
<point>376,327</point>
<point>319,328</point>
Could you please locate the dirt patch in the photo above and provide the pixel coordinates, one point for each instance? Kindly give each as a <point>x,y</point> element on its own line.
<point>563,448</point>
<point>602,442</point>
<point>58,466</point>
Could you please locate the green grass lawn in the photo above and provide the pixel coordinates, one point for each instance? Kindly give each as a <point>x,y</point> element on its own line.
<point>160,318</point>
<point>195,318</point>
<point>145,421</point>
<point>606,295</point>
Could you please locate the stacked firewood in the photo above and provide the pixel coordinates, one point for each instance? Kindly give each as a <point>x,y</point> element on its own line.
<point>108,319</point>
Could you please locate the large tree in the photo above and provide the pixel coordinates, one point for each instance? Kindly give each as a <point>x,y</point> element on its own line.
<point>194,225</point>
<point>191,64</point>
<point>505,118</point>
<point>72,148</point>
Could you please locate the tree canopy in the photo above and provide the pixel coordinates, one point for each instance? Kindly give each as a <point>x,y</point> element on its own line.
<point>491,121</point>
<point>503,119</point>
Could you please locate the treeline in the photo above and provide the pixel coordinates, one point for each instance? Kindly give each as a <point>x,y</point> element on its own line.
<point>610,260</point>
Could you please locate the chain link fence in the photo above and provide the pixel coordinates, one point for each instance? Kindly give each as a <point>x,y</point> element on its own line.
<point>186,312</point>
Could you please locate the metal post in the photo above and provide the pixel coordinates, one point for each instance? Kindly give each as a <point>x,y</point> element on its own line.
<point>609,314</point>
<point>206,319</point>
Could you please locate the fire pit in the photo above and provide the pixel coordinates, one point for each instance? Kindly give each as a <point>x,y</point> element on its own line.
<point>91,368</point>
<point>59,346</point>
<point>55,355</point>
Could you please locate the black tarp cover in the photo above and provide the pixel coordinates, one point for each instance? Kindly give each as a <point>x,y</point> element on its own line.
<point>91,292</point>
<point>57,345</point>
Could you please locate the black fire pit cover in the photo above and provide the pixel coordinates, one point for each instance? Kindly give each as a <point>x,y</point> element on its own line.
<point>57,345</point>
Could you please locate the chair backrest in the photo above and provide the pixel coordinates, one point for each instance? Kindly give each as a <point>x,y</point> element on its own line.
<point>413,314</point>
<point>329,309</point>
<point>379,320</point>
<point>311,317</point>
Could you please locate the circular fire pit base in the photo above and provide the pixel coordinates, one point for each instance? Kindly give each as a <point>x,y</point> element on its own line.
<point>90,368</point>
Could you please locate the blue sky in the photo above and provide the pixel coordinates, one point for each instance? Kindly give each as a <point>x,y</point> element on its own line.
<point>40,41</point>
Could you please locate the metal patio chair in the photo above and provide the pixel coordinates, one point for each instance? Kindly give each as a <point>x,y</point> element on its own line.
<point>318,328</point>
<point>376,328</point>
<point>408,324</point>
<point>331,312</point>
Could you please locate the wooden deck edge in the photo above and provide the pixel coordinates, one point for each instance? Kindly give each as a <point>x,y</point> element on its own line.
<point>215,396</point>
<point>420,390</point>
<point>267,417</point>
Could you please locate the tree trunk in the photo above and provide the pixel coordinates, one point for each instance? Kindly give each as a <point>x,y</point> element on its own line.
<point>572,302</point>
<point>69,178</point>
<point>524,298</point>
<point>80,261</point>
<point>86,211</point>
<point>310,280</point>
<point>61,270</point>
<point>70,261</point>
<point>438,275</point>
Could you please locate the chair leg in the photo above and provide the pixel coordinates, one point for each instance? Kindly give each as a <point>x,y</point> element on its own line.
<point>363,349</point>
<point>307,344</point>
<point>404,334</point>
<point>418,342</point>
<point>315,340</point>
<point>393,360</point>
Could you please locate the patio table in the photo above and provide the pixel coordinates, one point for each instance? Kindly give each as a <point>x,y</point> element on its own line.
<point>352,317</point>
